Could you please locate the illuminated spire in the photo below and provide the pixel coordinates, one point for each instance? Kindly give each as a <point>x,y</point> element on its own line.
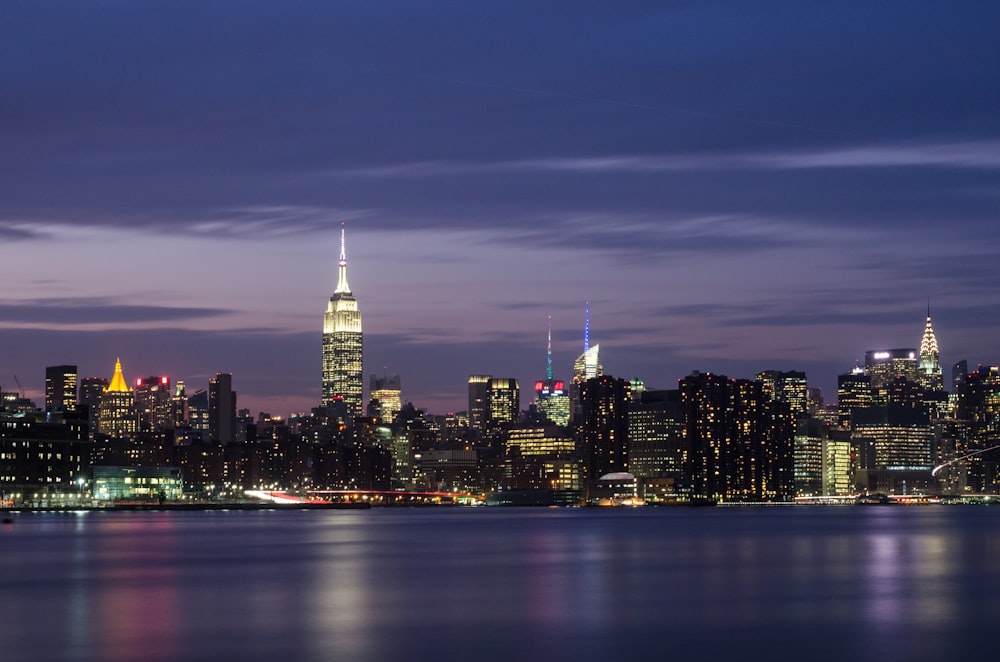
<point>929,344</point>
<point>548,365</point>
<point>118,383</point>
<point>342,286</point>
<point>586,329</point>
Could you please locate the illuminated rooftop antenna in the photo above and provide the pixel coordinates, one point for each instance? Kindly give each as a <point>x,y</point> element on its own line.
<point>586,328</point>
<point>342,286</point>
<point>548,366</point>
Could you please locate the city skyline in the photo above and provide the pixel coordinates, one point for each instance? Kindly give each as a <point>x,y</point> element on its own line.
<point>733,190</point>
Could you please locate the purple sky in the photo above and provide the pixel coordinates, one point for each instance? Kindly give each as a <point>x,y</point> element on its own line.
<point>734,186</point>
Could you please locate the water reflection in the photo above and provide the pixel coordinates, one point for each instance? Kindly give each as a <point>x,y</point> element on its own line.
<point>494,585</point>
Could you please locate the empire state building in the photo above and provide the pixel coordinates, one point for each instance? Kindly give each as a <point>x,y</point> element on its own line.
<point>342,368</point>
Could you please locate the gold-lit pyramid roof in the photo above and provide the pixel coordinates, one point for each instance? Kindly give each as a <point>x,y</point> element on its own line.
<point>118,383</point>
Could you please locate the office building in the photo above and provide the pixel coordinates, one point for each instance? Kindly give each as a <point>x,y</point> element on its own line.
<point>117,417</point>
<point>385,396</point>
<point>221,409</point>
<point>60,388</point>
<point>604,427</point>
<point>885,365</point>
<point>504,402</point>
<point>479,401</point>
<point>551,396</point>
<point>342,345</point>
<point>152,399</point>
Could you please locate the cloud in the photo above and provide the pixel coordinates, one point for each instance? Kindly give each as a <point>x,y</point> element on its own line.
<point>94,310</point>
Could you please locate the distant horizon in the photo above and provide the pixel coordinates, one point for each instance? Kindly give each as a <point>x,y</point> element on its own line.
<point>526,386</point>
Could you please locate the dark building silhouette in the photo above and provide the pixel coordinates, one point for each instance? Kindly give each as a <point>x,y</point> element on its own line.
<point>604,431</point>
<point>60,388</point>
<point>221,408</point>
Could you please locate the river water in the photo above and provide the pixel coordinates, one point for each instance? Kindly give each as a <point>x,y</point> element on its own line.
<point>809,583</point>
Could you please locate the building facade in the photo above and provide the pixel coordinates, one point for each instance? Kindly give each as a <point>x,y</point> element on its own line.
<point>118,417</point>
<point>342,345</point>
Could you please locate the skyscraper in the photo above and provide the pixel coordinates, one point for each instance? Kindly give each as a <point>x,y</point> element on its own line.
<point>152,399</point>
<point>479,401</point>
<point>551,398</point>
<point>342,369</point>
<point>387,392</point>
<point>930,360</point>
<point>60,388</point>
<point>504,402</point>
<point>587,366</point>
<point>605,401</point>
<point>221,408</point>
<point>117,414</point>
<point>885,365</point>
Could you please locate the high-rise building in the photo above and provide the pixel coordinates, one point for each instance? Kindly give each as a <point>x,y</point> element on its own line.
<point>117,416</point>
<point>342,353</point>
<point>979,407</point>
<point>179,406</point>
<point>221,408</point>
<point>655,434</point>
<point>387,393</point>
<point>504,402</point>
<point>930,359</point>
<point>91,389</point>
<point>587,366</point>
<point>885,365</point>
<point>738,445</point>
<point>789,387</point>
<point>604,430</point>
<point>551,397</point>
<point>60,388</point>
<point>958,373</point>
<point>152,399</point>
<point>854,391</point>
<point>479,401</point>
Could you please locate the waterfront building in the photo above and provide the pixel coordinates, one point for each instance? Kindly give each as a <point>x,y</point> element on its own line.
<point>342,344</point>
<point>838,471</point>
<point>810,435</point>
<point>117,416</point>
<point>60,388</point>
<point>604,429</point>
<point>655,436</point>
<point>979,408</point>
<point>111,483</point>
<point>738,446</point>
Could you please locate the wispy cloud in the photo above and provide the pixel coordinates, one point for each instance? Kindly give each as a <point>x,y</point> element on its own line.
<point>975,154</point>
<point>57,311</point>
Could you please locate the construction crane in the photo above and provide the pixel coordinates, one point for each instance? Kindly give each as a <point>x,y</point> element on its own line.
<point>20,389</point>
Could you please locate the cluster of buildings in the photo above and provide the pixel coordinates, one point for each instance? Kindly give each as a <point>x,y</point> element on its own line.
<point>597,438</point>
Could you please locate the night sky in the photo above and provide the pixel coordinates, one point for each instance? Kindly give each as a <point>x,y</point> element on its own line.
<point>733,186</point>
